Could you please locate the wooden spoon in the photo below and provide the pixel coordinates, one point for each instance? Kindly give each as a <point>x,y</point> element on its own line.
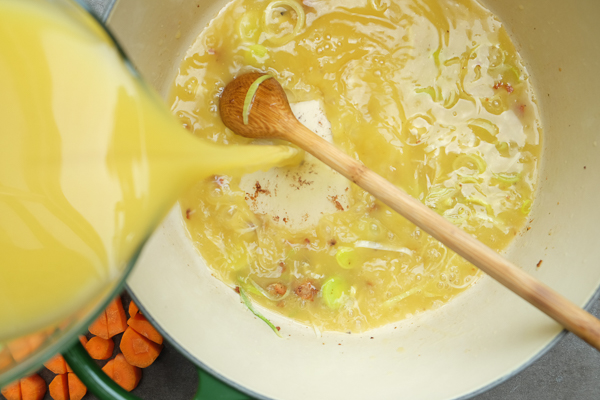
<point>270,116</point>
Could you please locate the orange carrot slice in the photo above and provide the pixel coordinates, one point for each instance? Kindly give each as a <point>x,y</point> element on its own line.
<point>33,388</point>
<point>138,350</point>
<point>100,349</point>
<point>19,348</point>
<point>36,341</point>
<point>124,374</point>
<point>99,327</point>
<point>133,309</point>
<point>144,328</point>
<point>12,391</point>
<point>5,359</point>
<point>115,317</point>
<point>83,340</point>
<point>76,388</point>
<point>109,368</point>
<point>57,365</point>
<point>59,387</point>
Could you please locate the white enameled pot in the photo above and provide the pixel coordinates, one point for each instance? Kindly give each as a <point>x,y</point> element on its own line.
<point>480,338</point>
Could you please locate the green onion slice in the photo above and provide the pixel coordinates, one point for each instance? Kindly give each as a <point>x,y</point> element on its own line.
<point>526,207</point>
<point>482,203</point>
<point>248,304</point>
<point>249,100</point>
<point>334,292</point>
<point>300,19</point>
<point>346,257</point>
<point>470,161</point>
<point>508,177</point>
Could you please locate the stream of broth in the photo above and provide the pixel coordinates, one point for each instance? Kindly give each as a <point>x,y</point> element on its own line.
<point>90,162</point>
<point>431,94</point>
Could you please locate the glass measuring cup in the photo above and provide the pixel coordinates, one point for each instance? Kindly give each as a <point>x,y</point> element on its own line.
<point>46,193</point>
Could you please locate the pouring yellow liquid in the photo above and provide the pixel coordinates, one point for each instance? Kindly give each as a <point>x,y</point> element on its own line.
<point>89,162</point>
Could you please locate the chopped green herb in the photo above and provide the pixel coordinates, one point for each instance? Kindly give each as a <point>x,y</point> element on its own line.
<point>248,304</point>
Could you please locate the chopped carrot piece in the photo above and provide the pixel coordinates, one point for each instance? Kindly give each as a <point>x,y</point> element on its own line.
<point>133,309</point>
<point>99,327</point>
<point>36,341</point>
<point>59,387</point>
<point>57,365</point>
<point>115,317</point>
<point>19,348</point>
<point>22,347</point>
<point>100,349</point>
<point>12,391</point>
<point>5,359</point>
<point>76,388</point>
<point>144,328</point>
<point>109,368</point>
<point>69,368</point>
<point>33,388</point>
<point>138,350</point>
<point>124,374</point>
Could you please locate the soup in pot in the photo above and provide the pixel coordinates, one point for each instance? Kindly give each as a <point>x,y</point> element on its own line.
<point>431,94</point>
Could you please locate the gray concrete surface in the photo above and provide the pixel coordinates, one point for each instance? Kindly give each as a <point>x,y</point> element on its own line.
<point>570,370</point>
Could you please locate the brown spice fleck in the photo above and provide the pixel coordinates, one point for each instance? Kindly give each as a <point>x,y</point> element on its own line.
<point>332,242</point>
<point>301,182</point>
<point>237,289</point>
<point>189,212</point>
<point>506,86</point>
<point>257,190</point>
<point>336,203</point>
<point>539,264</point>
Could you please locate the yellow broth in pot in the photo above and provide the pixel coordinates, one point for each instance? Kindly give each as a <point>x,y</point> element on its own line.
<point>431,94</point>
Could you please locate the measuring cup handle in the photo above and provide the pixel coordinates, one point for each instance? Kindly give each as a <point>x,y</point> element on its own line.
<point>104,388</point>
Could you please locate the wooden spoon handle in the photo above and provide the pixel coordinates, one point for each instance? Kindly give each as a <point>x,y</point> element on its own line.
<point>570,316</point>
